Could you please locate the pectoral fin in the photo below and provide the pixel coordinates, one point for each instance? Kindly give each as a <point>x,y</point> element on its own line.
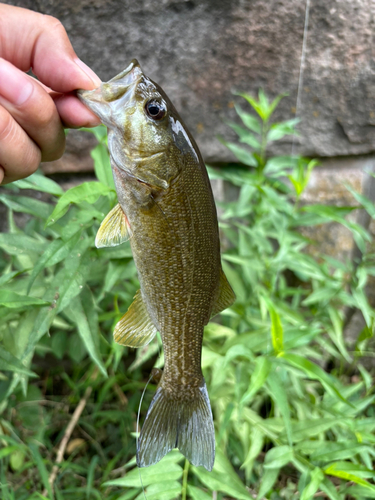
<point>226,295</point>
<point>114,229</point>
<point>135,328</point>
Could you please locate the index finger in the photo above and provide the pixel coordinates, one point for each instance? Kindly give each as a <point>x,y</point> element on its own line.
<point>33,40</point>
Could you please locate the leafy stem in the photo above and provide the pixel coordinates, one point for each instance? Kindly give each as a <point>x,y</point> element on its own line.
<point>185,480</point>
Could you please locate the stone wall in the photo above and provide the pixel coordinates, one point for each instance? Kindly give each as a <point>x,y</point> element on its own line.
<point>200,50</point>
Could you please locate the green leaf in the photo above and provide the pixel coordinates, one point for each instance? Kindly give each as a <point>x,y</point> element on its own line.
<point>6,277</point>
<point>167,469</point>
<point>277,332</point>
<point>20,244</point>
<point>249,121</point>
<point>278,457</point>
<point>335,470</point>
<point>367,204</point>
<point>41,467</point>
<point>242,155</point>
<point>329,489</point>
<point>359,492</point>
<point>274,103</point>
<point>337,333</point>
<point>87,329</point>
<point>269,478</point>
<point>245,136</point>
<point>222,478</point>
<point>280,130</point>
<point>337,451</point>
<point>64,287</point>
<point>279,164</point>
<point>257,443</point>
<point>27,205</point>
<point>280,397</point>
<point>17,459</point>
<point>260,108</point>
<point>90,475</point>
<point>14,300</point>
<point>363,305</point>
<point>57,251</point>
<point>309,491</point>
<point>167,490</point>
<point>102,165</point>
<point>357,469</point>
<point>198,494</point>
<point>320,295</point>
<point>87,191</point>
<point>39,182</point>
<point>8,450</point>
<point>337,214</point>
<point>305,429</point>
<point>315,372</point>
<point>258,378</point>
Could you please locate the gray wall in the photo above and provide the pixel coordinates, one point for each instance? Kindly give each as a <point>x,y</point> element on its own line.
<point>198,51</point>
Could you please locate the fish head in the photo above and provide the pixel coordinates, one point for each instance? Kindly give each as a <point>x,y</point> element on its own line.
<point>136,110</point>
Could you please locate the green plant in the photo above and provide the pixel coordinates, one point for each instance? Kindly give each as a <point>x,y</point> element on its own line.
<point>288,319</point>
<point>286,426</point>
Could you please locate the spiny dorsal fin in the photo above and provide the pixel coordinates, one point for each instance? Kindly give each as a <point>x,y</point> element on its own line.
<point>114,229</point>
<point>135,328</point>
<point>226,295</point>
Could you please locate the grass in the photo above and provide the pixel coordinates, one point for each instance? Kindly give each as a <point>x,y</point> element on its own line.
<point>293,405</point>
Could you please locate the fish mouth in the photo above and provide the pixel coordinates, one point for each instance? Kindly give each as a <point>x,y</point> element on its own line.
<point>99,99</point>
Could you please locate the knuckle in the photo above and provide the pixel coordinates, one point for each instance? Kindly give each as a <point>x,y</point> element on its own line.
<point>57,150</point>
<point>47,114</point>
<point>18,151</point>
<point>32,159</point>
<point>7,127</point>
<point>53,24</point>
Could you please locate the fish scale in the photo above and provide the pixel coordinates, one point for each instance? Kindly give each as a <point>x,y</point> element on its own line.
<point>167,209</point>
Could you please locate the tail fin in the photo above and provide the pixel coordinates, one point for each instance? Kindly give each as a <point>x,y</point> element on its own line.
<point>172,423</point>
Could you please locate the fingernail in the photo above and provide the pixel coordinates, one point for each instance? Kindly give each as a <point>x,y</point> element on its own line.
<point>89,72</point>
<point>15,86</point>
<point>1,174</point>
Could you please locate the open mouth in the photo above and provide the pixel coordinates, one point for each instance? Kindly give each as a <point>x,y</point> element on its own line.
<point>99,99</point>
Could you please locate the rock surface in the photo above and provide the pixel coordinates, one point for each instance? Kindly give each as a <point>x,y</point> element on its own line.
<point>200,50</point>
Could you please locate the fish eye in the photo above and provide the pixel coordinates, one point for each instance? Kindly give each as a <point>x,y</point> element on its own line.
<point>155,110</point>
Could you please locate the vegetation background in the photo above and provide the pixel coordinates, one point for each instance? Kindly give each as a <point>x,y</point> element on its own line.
<point>293,400</point>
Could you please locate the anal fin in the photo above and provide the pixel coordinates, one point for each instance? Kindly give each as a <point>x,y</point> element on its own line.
<point>135,328</point>
<point>225,297</point>
<point>114,230</point>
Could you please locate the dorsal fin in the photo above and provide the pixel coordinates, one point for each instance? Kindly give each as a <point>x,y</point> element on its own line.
<point>135,328</point>
<point>226,295</point>
<point>114,229</point>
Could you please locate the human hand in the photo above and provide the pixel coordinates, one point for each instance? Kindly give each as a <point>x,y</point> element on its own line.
<point>32,112</point>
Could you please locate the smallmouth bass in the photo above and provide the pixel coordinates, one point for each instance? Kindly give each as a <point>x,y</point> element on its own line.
<point>167,208</point>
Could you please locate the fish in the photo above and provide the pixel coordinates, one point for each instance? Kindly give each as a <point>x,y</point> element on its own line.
<point>167,210</point>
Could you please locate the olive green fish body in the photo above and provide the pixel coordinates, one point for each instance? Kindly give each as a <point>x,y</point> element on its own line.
<point>176,251</point>
<point>166,206</point>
